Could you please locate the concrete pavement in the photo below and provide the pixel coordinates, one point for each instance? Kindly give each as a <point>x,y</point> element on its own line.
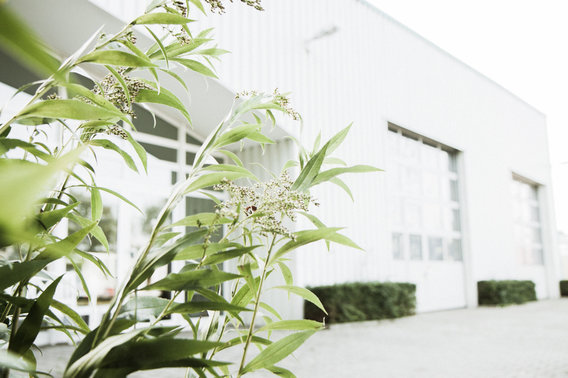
<point>529,340</point>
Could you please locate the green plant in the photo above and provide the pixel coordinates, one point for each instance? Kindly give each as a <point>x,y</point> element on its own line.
<point>505,292</point>
<point>359,301</point>
<point>564,288</point>
<point>40,178</point>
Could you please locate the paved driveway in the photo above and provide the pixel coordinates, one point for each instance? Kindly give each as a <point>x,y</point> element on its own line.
<point>529,340</point>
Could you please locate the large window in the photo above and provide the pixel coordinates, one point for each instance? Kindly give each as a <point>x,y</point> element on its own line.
<point>423,192</point>
<point>527,228</point>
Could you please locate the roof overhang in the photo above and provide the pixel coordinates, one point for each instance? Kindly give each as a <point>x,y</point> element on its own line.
<point>65,25</point>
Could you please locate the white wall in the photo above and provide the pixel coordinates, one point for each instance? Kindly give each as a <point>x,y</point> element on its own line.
<point>371,71</point>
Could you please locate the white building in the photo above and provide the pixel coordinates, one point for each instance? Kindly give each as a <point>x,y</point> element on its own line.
<point>466,192</point>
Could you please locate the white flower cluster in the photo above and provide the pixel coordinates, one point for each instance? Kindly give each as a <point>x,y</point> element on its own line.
<point>267,204</point>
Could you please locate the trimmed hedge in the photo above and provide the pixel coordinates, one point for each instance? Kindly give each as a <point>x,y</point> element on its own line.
<point>353,302</point>
<point>564,288</point>
<point>505,292</point>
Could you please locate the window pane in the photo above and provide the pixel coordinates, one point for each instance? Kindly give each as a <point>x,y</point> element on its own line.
<point>435,249</point>
<point>456,223</point>
<point>537,256</point>
<point>535,216</point>
<point>452,163</point>
<point>397,252</point>
<point>454,192</point>
<point>526,215</point>
<point>415,247</point>
<point>189,158</point>
<point>455,250</point>
<point>162,153</point>
<point>144,123</point>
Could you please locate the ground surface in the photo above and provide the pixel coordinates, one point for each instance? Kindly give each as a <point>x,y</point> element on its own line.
<point>529,340</point>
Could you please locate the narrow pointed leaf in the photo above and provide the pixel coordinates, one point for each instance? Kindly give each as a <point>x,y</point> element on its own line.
<point>191,280</point>
<point>27,332</point>
<point>327,175</point>
<point>116,58</point>
<point>67,109</point>
<point>305,237</point>
<point>304,293</point>
<point>277,351</point>
<point>161,18</point>
<point>292,325</point>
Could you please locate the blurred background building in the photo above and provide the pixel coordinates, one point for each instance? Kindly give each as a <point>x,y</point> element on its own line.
<point>466,193</point>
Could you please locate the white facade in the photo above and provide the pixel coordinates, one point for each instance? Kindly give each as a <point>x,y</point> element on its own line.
<point>344,61</point>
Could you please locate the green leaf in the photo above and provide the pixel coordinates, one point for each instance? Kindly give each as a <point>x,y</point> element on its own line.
<point>337,139</point>
<point>140,151</point>
<point>79,90</point>
<point>159,43</point>
<point>97,231</point>
<point>164,97</point>
<point>79,273</point>
<point>200,250</point>
<point>210,179</point>
<point>196,66</point>
<point>96,204</point>
<point>27,332</point>
<point>121,82</point>
<point>286,273</point>
<point>83,366</point>
<point>236,134</point>
<point>198,4</point>
<point>304,237</point>
<point>160,257</point>
<point>242,339</point>
<point>161,18</point>
<point>143,308</point>
<point>277,351</point>
<point>218,258</point>
<point>336,238</point>
<point>11,274</point>
<point>7,144</point>
<point>71,314</point>
<point>337,181</point>
<point>64,247</point>
<point>15,361</point>
<point>159,353</point>
<point>49,218</point>
<point>280,371</point>
<point>199,306</point>
<point>270,309</point>
<point>116,58</point>
<point>108,145</point>
<point>21,42</point>
<point>330,173</point>
<point>232,156</point>
<point>23,183</point>
<point>198,220</point>
<point>67,109</point>
<point>310,171</point>
<point>292,325</point>
<point>304,293</point>
<point>191,280</point>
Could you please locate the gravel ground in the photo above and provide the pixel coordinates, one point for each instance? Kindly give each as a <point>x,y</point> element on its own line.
<point>529,340</point>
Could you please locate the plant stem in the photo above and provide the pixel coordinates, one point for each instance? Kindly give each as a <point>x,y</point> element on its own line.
<point>256,305</point>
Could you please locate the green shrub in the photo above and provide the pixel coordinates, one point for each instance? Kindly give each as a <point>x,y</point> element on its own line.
<point>353,302</point>
<point>505,292</point>
<point>564,288</point>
